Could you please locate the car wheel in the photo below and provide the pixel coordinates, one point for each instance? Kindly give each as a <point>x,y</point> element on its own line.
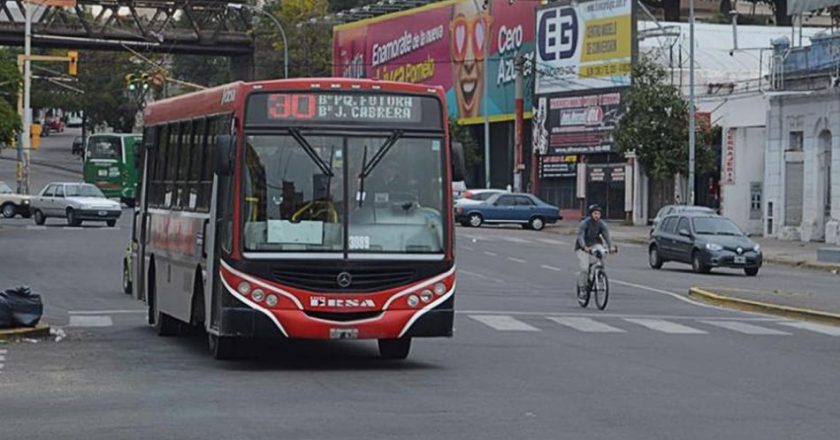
<point>9,210</point>
<point>751,271</point>
<point>111,223</point>
<point>72,220</point>
<point>475,220</point>
<point>654,259</point>
<point>40,219</point>
<point>536,223</point>
<point>697,263</point>
<point>394,348</point>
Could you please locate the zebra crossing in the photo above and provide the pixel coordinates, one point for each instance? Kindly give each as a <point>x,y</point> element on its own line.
<point>678,325</point>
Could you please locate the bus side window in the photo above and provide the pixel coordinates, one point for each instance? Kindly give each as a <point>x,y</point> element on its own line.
<point>156,199</point>
<point>169,197</point>
<point>185,154</point>
<point>196,162</point>
<point>206,185</point>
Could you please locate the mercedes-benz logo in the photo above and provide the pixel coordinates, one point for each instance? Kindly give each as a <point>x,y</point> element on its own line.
<point>344,279</point>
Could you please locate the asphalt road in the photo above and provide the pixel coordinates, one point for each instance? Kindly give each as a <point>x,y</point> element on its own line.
<point>526,361</point>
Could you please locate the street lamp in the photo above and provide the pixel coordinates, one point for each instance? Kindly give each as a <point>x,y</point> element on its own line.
<point>240,6</point>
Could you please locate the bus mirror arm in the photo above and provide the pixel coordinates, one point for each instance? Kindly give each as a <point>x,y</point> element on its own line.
<point>458,162</point>
<point>224,154</point>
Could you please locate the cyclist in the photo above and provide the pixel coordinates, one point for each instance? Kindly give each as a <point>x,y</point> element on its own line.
<point>592,234</point>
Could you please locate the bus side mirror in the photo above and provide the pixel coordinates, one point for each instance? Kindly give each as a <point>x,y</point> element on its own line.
<point>458,162</point>
<point>224,155</point>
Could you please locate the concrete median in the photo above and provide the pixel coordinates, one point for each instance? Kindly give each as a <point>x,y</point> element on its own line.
<point>732,301</point>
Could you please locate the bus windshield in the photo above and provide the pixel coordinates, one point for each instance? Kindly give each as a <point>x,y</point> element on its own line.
<point>359,194</point>
<point>105,148</point>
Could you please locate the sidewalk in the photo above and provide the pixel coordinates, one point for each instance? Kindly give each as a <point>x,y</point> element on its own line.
<point>789,253</point>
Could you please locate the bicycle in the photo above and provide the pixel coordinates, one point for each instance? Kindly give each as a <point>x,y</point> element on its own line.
<point>597,281</point>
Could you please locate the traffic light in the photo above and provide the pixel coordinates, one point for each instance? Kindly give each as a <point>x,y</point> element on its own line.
<point>72,64</point>
<point>130,82</point>
<point>144,81</point>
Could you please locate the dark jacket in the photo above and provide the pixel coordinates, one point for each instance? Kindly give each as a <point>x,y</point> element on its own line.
<point>590,233</point>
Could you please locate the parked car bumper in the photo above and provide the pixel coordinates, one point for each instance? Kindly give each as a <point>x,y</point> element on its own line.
<point>97,214</point>
<point>728,259</point>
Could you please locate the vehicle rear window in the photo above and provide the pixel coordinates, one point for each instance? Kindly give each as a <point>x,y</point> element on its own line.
<point>483,196</point>
<point>105,148</point>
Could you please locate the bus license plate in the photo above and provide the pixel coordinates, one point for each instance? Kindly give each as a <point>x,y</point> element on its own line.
<point>740,260</point>
<point>103,213</point>
<point>344,333</point>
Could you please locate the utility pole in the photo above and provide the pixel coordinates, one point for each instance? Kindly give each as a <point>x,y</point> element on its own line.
<point>25,141</point>
<point>691,110</point>
<point>519,129</point>
<point>239,6</point>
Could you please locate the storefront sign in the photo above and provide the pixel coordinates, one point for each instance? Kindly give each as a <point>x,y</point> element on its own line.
<point>729,158</point>
<point>558,166</point>
<point>607,173</point>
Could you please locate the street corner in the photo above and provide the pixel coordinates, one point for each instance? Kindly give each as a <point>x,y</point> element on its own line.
<point>795,305</point>
<point>40,331</point>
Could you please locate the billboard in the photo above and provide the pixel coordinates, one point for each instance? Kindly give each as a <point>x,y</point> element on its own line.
<point>584,46</point>
<point>443,44</point>
<point>576,124</point>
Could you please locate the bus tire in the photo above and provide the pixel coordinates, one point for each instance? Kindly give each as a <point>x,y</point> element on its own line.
<point>394,348</point>
<point>222,347</point>
<point>127,286</point>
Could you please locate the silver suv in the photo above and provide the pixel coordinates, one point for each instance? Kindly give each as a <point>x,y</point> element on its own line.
<point>77,202</point>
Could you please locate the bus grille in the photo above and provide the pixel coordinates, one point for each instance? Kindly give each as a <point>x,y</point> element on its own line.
<point>343,317</point>
<point>326,279</point>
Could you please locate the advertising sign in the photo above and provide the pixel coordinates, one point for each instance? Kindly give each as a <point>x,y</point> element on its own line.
<point>729,158</point>
<point>558,166</point>
<point>577,124</point>
<point>443,44</point>
<point>584,46</point>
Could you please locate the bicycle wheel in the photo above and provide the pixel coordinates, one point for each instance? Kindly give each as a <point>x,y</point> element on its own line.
<point>583,296</point>
<point>602,289</point>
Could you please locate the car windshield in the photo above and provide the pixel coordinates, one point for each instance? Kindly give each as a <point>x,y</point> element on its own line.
<point>83,191</point>
<point>105,148</point>
<point>715,226</point>
<point>335,193</point>
<point>4,189</point>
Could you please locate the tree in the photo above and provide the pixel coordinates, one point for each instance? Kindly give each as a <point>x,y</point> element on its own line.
<point>105,101</point>
<point>10,83</point>
<point>310,53</point>
<point>780,10</point>
<point>463,134</point>
<point>670,8</point>
<point>655,125</point>
<point>203,70</point>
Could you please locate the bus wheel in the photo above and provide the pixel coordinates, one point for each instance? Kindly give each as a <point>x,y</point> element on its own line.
<point>394,348</point>
<point>126,278</point>
<point>165,325</point>
<point>221,347</point>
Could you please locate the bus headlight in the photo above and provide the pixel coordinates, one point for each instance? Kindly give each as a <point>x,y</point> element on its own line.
<point>271,300</point>
<point>426,296</point>
<point>258,295</point>
<point>413,300</point>
<point>440,289</point>
<point>244,288</point>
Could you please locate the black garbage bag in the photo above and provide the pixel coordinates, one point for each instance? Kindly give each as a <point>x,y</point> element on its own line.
<point>26,307</point>
<point>5,313</point>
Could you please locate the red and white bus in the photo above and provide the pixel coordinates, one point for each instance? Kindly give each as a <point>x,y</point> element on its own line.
<point>307,209</point>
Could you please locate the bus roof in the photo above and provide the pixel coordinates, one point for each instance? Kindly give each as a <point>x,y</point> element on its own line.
<point>105,133</point>
<point>230,97</point>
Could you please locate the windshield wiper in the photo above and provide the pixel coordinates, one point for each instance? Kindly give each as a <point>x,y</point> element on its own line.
<point>325,168</point>
<point>368,167</point>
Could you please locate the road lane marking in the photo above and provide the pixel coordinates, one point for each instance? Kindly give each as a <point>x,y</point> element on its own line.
<point>743,327</point>
<point>664,326</point>
<point>36,228</point>
<point>556,269</point>
<point>671,294</point>
<point>105,312</point>
<point>588,325</point>
<point>73,228</point>
<point>514,240</point>
<point>475,274</point>
<point>90,321</point>
<point>757,318</point>
<point>552,241</point>
<point>518,260</point>
<point>810,326</point>
<point>504,323</point>
<point>492,254</point>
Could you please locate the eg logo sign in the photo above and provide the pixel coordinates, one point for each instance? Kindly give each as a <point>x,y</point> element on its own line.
<point>559,30</point>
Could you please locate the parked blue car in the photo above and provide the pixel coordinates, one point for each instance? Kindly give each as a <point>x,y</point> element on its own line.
<point>520,208</point>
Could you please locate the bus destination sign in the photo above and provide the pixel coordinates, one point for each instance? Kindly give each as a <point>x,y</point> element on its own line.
<point>344,107</point>
<point>337,108</point>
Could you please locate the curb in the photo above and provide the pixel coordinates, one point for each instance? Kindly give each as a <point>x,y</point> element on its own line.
<point>41,330</point>
<point>47,165</point>
<point>763,307</point>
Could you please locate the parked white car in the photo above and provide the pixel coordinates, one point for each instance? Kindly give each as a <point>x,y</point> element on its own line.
<point>76,202</point>
<point>474,196</point>
<point>12,204</point>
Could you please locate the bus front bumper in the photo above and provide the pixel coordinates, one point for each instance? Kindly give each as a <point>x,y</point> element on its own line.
<point>247,322</point>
